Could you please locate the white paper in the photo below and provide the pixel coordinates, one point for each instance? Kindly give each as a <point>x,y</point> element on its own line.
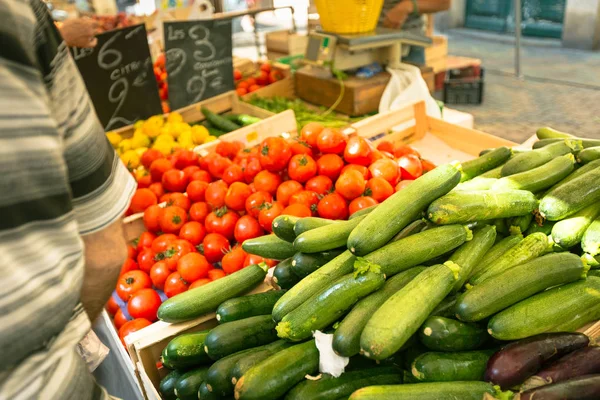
<point>329,362</point>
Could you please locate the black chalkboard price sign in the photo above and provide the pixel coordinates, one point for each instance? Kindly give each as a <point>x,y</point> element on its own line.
<point>119,77</point>
<point>199,60</point>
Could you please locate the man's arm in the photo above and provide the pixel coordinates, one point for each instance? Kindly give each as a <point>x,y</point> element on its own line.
<point>79,32</point>
<point>396,17</point>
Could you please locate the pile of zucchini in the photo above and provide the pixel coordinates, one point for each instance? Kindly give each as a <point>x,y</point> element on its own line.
<point>218,125</point>
<point>424,289</point>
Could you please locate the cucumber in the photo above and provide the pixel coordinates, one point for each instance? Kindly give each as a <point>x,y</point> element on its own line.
<point>517,284</point>
<point>496,251</point>
<point>572,196</point>
<point>304,264</point>
<point>186,350</point>
<point>418,248</point>
<point>477,183</point>
<point>495,173</point>
<point>326,237</point>
<point>309,223</point>
<point>273,377</point>
<point>472,252</point>
<point>426,391</point>
<point>269,246</point>
<point>519,225</point>
<point>529,248</point>
<point>549,133</point>
<point>545,228</point>
<point>391,216</point>
<point>256,357</point>
<point>232,337</point>
<point>188,384</point>
<point>248,306</point>
<point>207,298</point>
<point>451,367</point>
<point>283,275</point>
<point>346,339</point>
<point>167,385</point>
<point>577,173</point>
<point>569,232</point>
<point>387,330</point>
<point>590,242</point>
<point>446,334</point>
<point>586,143</point>
<point>283,227</point>
<point>544,311</point>
<point>587,155</point>
<point>331,388</point>
<point>534,158</point>
<point>218,379</point>
<point>539,178</point>
<point>362,212</point>
<point>329,304</point>
<point>484,163</point>
<point>315,282</point>
<point>219,122</point>
<point>465,207</point>
<point>417,226</point>
<point>205,394</point>
<point>446,307</point>
<point>242,119</point>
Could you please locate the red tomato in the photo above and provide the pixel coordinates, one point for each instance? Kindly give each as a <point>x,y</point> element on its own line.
<point>333,206</point>
<point>142,199</point>
<point>144,181</point>
<point>266,181</point>
<point>179,200</point>
<point>358,151</point>
<point>163,242</point>
<point>247,227</point>
<point>145,240</point>
<point>159,273</point>
<point>132,326</point>
<point>218,166</point>
<point>310,132</point>
<point>268,214</point>
<point>350,184</point>
<point>237,75</point>
<point>403,150</point>
<point>159,167</point>
<point>401,185</point>
<point>233,173</point>
<point>145,259</point>
<point>265,67</point>
<point>186,158</point>
<point>174,180</point>
<point>111,306</point>
<point>427,165</point>
<point>172,219</point>
<point>215,194</point>
<point>252,169</point>
<point>297,210</point>
<point>256,201</point>
<point>386,169</point>
<point>331,140</point>
<point>128,265</point>
<point>157,189</point>
<point>286,190</point>
<point>252,259</point>
<point>175,284</point>
<point>195,191</point>
<point>215,274</point>
<point>131,282</point>
<point>240,91</point>
<point>131,251</point>
<point>214,246</point>
<point>410,167</point>
<point>222,220</point>
<point>234,260</point>
<point>236,196</point>
<point>201,175</point>
<point>299,146</point>
<point>330,165</point>
<point>149,156</point>
<point>379,189</point>
<point>302,167</point>
<point>189,171</point>
<point>193,232</point>
<point>360,203</point>
<point>387,146</point>
<point>120,319</point>
<point>275,153</point>
<point>152,217</point>
<point>364,171</point>
<point>306,197</point>
<point>144,304</point>
<point>193,266</point>
<point>320,184</point>
<point>201,282</point>
<point>178,249</point>
<point>229,149</point>
<point>199,211</point>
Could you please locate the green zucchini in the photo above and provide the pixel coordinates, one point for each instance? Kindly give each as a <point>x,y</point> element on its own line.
<point>269,246</point>
<point>403,207</point>
<point>418,248</point>
<point>549,133</point>
<point>248,306</point>
<point>501,225</point>
<point>496,251</point>
<point>577,173</point>
<point>472,252</point>
<point>592,261</point>
<point>417,226</point>
<point>546,310</point>
<point>594,272</point>
<point>545,227</point>
<point>362,212</point>
<point>315,282</point>
<point>186,350</point>
<point>167,385</point>
<point>495,173</point>
<point>519,225</point>
<point>538,178</point>
<point>309,223</point>
<point>587,155</point>
<point>188,384</point>
<point>477,183</point>
<point>232,337</point>
<point>451,367</point>
<point>283,227</point>
<point>329,304</point>
<point>529,248</point>
<point>283,275</point>
<point>465,207</point>
<point>446,307</point>
<point>205,394</point>
<point>219,122</point>
<point>218,379</point>
<point>585,143</point>
<point>590,242</point>
<point>484,163</point>
<point>242,119</point>
<point>304,264</point>
<point>446,334</point>
<point>569,231</point>
<point>273,377</point>
<point>518,283</point>
<point>346,339</point>
<point>426,391</point>
<point>574,322</point>
<point>331,388</point>
<point>256,357</point>
<point>534,158</point>
<point>572,196</point>
<point>326,237</point>
<point>387,330</point>
<point>207,298</point>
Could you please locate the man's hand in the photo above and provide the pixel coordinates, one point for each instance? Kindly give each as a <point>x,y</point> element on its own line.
<point>396,17</point>
<point>79,32</point>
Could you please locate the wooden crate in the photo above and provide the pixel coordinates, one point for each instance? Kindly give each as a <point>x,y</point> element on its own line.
<point>282,88</point>
<point>285,43</point>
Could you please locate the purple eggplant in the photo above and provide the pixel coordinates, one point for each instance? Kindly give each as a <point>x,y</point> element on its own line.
<point>584,361</point>
<point>516,362</point>
<point>585,387</point>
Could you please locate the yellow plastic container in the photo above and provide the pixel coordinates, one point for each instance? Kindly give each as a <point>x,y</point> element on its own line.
<point>349,16</point>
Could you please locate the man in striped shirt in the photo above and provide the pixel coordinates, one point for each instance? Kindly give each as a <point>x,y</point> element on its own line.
<point>62,194</point>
